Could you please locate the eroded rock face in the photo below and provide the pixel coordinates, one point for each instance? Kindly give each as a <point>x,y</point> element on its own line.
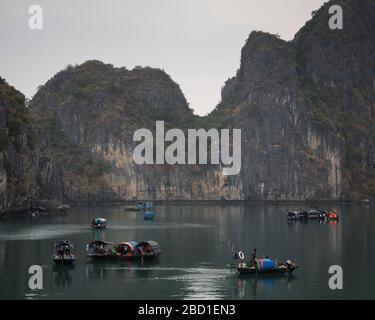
<point>86,118</point>
<point>337,72</point>
<point>284,155</point>
<point>17,183</point>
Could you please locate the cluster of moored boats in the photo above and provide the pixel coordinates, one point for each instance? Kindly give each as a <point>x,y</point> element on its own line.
<point>98,249</point>
<point>313,214</point>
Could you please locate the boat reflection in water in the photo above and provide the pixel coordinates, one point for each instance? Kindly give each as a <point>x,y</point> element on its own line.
<point>257,286</point>
<point>63,275</point>
<point>105,269</point>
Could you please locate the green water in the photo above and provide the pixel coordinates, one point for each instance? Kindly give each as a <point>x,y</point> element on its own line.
<point>194,242</point>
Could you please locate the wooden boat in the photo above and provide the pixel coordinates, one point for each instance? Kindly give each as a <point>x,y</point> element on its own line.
<point>99,223</point>
<point>148,215</point>
<point>126,250</point>
<point>281,269</point>
<point>297,215</point>
<point>65,259</point>
<point>145,205</point>
<point>99,249</point>
<point>62,254</point>
<point>148,249</point>
<point>142,250</point>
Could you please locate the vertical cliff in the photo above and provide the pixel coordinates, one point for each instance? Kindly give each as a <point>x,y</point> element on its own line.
<point>284,156</point>
<point>85,118</point>
<point>336,71</point>
<point>17,187</point>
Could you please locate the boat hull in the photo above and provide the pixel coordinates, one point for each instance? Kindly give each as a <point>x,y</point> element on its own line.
<point>277,271</point>
<point>121,257</point>
<point>64,260</point>
<point>98,227</point>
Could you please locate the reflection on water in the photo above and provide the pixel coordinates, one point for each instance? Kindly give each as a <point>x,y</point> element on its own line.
<point>250,286</point>
<point>194,241</point>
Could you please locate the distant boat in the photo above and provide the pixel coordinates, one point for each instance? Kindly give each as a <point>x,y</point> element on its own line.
<point>267,266</point>
<point>148,215</point>
<point>312,215</point>
<point>99,249</point>
<point>134,208</point>
<point>63,254</point>
<point>145,205</point>
<point>99,223</point>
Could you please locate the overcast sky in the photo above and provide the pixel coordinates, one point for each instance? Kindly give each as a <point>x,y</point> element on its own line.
<point>197,42</point>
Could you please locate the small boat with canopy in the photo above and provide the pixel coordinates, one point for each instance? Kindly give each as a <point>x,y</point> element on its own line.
<point>267,266</point>
<point>63,253</point>
<point>148,215</point>
<point>142,250</point>
<point>126,250</point>
<point>99,249</point>
<point>148,249</point>
<point>98,223</point>
<point>259,266</point>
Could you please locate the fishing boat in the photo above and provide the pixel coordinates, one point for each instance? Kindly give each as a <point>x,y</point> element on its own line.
<point>99,249</point>
<point>148,215</point>
<point>62,254</point>
<point>321,215</point>
<point>126,250</point>
<point>99,223</point>
<point>142,250</point>
<point>266,266</point>
<point>297,215</point>
<point>314,215</point>
<point>145,205</point>
<point>148,249</point>
<point>332,216</point>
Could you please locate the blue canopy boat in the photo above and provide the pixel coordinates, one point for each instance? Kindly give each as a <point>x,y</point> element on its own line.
<point>148,215</point>
<point>99,223</point>
<point>145,205</point>
<point>266,266</point>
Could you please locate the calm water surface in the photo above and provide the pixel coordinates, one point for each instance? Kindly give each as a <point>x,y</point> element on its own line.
<point>194,240</point>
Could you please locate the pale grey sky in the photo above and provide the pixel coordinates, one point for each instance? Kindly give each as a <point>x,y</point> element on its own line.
<point>197,42</point>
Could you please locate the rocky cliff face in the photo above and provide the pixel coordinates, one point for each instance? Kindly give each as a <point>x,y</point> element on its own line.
<point>86,116</point>
<point>336,70</point>
<point>305,108</point>
<point>285,156</point>
<point>17,184</point>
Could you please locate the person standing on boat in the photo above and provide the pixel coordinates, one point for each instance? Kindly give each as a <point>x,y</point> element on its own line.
<point>60,250</point>
<point>254,258</point>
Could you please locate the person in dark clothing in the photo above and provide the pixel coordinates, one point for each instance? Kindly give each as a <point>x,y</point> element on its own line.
<point>254,258</point>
